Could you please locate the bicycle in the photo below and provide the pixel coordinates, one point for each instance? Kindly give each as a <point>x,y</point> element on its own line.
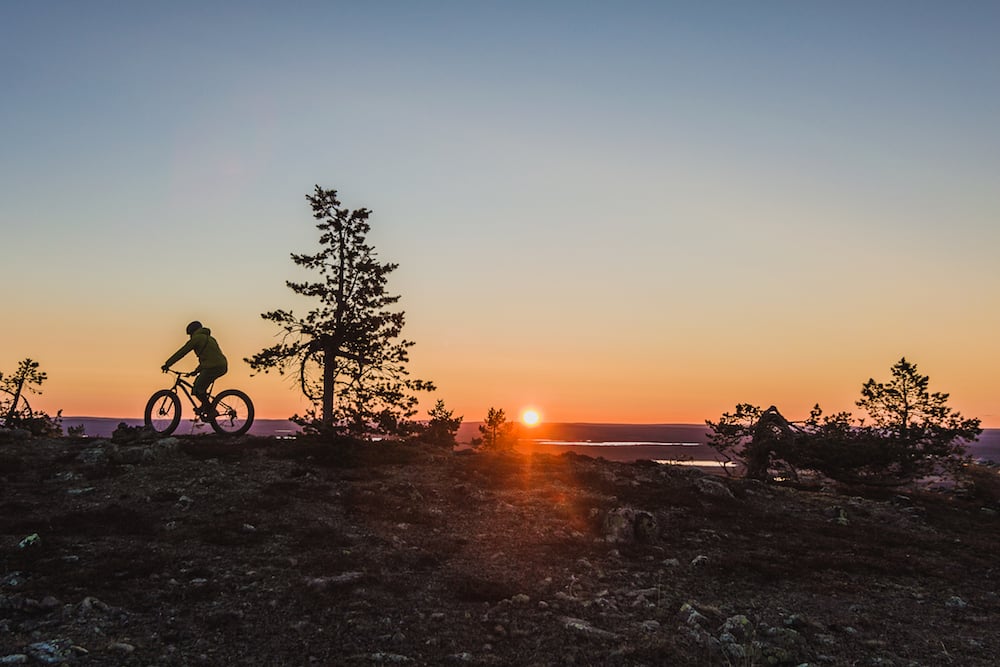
<point>230,411</point>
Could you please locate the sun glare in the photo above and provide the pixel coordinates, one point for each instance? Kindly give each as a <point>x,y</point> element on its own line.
<point>531,417</point>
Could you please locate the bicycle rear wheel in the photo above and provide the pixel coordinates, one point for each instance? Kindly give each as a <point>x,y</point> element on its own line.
<point>232,412</point>
<point>163,412</point>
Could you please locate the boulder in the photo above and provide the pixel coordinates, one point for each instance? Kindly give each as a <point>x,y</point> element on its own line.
<point>714,488</point>
<point>625,525</point>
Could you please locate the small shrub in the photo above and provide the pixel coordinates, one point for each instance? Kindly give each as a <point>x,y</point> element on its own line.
<point>984,484</point>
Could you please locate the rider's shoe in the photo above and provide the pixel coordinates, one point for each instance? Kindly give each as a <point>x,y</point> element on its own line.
<point>205,412</point>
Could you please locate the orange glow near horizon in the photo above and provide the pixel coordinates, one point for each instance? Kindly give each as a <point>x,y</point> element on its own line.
<point>90,387</point>
<point>111,370</point>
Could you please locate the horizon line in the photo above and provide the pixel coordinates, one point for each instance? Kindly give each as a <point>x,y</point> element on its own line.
<point>542,424</point>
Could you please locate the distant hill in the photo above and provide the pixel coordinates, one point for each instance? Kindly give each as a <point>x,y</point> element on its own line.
<point>103,427</point>
<point>987,448</point>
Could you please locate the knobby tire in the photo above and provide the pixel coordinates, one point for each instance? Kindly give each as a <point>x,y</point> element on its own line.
<point>163,412</point>
<point>232,412</point>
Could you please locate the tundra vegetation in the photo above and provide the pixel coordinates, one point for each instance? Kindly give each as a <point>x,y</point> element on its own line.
<point>15,411</point>
<point>906,432</point>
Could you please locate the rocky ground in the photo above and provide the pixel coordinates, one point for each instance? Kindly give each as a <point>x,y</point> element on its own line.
<point>255,551</point>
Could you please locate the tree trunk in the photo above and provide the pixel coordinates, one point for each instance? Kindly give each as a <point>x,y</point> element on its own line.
<point>330,349</point>
<point>17,396</point>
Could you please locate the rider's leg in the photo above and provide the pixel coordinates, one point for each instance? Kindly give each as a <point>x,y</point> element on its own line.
<point>204,380</point>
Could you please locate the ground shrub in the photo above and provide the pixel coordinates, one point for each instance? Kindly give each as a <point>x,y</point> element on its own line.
<point>984,484</point>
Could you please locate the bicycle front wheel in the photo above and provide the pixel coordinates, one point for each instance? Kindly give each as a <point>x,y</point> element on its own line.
<point>232,412</point>
<point>163,412</point>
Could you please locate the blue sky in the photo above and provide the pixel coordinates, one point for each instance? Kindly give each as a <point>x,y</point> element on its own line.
<point>614,211</point>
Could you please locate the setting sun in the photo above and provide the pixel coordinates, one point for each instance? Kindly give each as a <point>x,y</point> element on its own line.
<point>530,417</point>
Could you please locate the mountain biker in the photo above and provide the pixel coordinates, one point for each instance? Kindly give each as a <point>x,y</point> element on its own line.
<point>212,363</point>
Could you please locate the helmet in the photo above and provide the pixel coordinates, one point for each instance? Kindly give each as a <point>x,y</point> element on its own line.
<point>194,326</point>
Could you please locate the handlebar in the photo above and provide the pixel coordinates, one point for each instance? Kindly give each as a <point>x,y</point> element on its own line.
<point>180,373</point>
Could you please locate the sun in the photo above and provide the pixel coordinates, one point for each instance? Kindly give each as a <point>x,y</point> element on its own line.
<point>531,417</point>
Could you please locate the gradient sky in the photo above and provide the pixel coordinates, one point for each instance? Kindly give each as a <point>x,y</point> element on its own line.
<point>615,212</point>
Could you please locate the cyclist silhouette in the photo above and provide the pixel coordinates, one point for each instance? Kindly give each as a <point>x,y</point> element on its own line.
<point>212,363</point>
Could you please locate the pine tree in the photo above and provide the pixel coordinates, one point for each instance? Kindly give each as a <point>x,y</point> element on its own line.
<point>496,429</point>
<point>346,353</point>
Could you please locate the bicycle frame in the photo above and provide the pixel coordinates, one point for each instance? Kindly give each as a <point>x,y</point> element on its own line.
<point>187,388</point>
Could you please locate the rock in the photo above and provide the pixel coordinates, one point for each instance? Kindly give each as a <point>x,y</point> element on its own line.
<point>135,452</point>
<point>838,515</point>
<point>324,583</point>
<point>51,652</point>
<point>13,580</point>
<point>14,659</point>
<point>625,525</point>
<point>32,541</point>
<point>645,593</point>
<point>732,648</point>
<point>90,606</point>
<point>800,622</point>
<point>646,529</point>
<point>125,434</point>
<point>49,602</point>
<point>691,616</point>
<point>582,627</point>
<point>93,456</point>
<point>783,646</point>
<point>133,455</point>
<point>714,488</point>
<point>956,602</point>
<point>649,626</point>
<point>739,627</point>
<point>699,561</point>
<point>390,658</point>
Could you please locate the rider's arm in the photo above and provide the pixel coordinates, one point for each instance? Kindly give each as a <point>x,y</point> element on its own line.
<point>176,356</point>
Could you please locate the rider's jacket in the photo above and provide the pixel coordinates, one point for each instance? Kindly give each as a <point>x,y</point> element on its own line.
<point>205,347</point>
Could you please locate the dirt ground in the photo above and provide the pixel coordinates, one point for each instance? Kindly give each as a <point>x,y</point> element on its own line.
<point>257,551</point>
